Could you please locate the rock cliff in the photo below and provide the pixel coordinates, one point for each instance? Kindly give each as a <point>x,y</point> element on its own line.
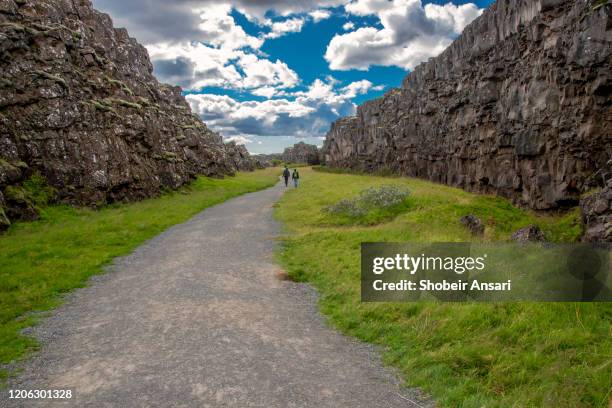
<point>519,105</point>
<point>301,153</point>
<point>79,105</point>
<point>242,159</point>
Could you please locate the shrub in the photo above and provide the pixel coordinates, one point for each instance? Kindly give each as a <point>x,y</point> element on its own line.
<point>370,200</point>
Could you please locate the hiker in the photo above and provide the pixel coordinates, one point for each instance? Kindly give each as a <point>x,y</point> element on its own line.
<point>286,175</point>
<point>295,177</point>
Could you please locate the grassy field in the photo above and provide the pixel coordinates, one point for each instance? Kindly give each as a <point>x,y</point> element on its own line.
<point>42,260</point>
<point>464,355</point>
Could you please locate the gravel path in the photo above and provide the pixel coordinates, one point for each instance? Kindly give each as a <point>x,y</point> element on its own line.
<point>197,318</point>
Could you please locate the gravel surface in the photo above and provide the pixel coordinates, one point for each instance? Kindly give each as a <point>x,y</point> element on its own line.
<point>197,317</point>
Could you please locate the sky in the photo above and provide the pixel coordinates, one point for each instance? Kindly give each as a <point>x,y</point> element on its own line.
<point>270,73</point>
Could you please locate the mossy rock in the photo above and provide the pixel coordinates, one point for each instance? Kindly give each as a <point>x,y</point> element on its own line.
<point>54,78</point>
<point>5,223</point>
<point>15,194</point>
<point>39,191</point>
<point>102,106</point>
<point>169,157</point>
<point>122,102</point>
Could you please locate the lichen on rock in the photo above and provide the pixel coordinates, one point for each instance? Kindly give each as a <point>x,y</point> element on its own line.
<point>79,104</point>
<point>519,105</point>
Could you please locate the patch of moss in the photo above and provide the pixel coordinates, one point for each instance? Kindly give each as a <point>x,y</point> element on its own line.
<point>169,157</point>
<point>102,106</point>
<point>124,103</point>
<point>597,4</point>
<point>15,193</point>
<point>39,191</point>
<point>13,26</point>
<point>119,84</point>
<point>59,80</point>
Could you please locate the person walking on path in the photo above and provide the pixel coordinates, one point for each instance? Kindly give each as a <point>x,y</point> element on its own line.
<point>286,175</point>
<point>295,177</point>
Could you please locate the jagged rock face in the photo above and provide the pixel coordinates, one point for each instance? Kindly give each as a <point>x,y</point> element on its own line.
<point>597,215</point>
<point>519,105</point>
<point>241,158</point>
<point>301,153</point>
<point>79,104</point>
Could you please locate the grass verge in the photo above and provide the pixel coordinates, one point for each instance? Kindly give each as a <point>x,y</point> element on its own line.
<point>465,355</point>
<point>40,261</point>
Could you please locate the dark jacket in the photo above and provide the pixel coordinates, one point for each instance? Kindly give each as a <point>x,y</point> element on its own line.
<point>286,173</point>
<point>296,175</point>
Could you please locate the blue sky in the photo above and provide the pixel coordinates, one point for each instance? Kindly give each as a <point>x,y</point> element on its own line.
<point>270,73</point>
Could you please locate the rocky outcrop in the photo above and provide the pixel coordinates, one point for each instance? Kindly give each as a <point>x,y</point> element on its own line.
<point>79,105</point>
<point>301,153</point>
<point>596,211</point>
<point>519,105</point>
<point>242,159</point>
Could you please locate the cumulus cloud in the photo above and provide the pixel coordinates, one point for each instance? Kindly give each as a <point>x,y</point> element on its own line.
<point>348,26</point>
<point>281,28</point>
<point>239,140</point>
<point>360,88</point>
<point>153,21</point>
<point>301,113</point>
<point>319,15</point>
<point>197,43</point>
<point>265,91</point>
<point>410,33</point>
<point>226,57</point>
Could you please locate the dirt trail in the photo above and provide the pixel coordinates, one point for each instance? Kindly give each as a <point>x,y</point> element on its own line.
<point>197,318</point>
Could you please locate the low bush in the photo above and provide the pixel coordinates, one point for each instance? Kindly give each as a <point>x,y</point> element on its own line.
<point>372,205</point>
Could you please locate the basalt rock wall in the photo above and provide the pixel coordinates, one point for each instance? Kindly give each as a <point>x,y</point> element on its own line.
<point>80,106</point>
<point>301,153</point>
<point>519,105</point>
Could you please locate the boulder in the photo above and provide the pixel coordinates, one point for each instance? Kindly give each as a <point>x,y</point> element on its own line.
<point>18,205</point>
<point>473,223</point>
<point>531,233</point>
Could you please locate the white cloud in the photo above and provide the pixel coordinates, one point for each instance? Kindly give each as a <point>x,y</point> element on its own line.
<point>239,140</point>
<point>319,15</point>
<point>226,60</point>
<point>410,33</point>
<point>348,26</point>
<point>195,65</point>
<point>266,91</point>
<point>281,28</point>
<point>219,29</point>
<point>154,21</point>
<point>357,88</point>
<point>259,72</point>
<point>302,113</point>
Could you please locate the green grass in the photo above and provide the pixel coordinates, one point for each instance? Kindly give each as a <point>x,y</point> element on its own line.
<point>42,260</point>
<point>464,355</point>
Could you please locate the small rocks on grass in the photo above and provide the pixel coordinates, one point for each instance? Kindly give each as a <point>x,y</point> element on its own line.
<point>473,223</point>
<point>531,233</point>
